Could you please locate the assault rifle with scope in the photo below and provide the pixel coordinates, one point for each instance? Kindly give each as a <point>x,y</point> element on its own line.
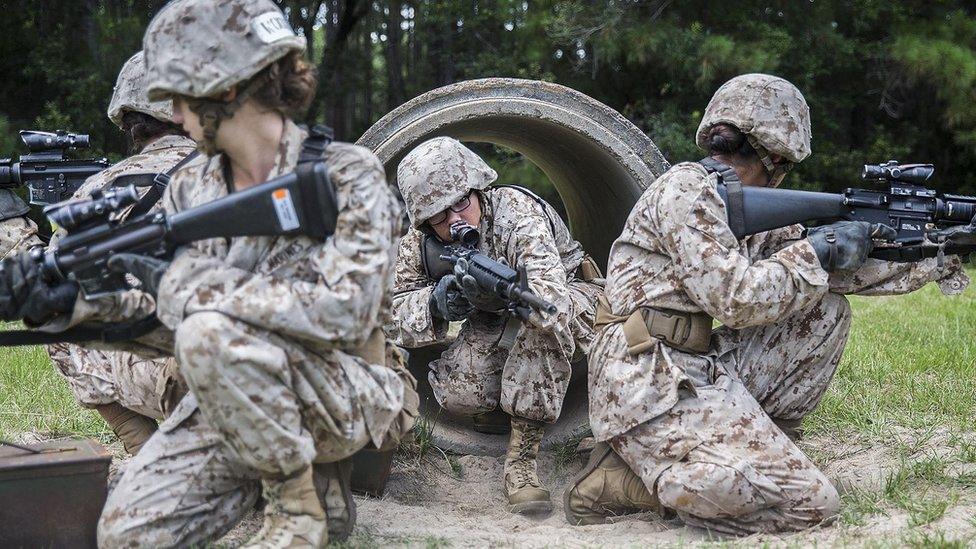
<point>46,171</point>
<point>917,213</point>
<point>494,278</point>
<point>299,203</point>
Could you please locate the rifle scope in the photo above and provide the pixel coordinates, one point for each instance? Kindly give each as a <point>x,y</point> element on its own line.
<point>73,215</point>
<point>914,174</point>
<point>465,234</point>
<point>51,141</point>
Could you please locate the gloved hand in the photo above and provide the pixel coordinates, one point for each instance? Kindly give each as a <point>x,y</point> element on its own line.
<point>481,300</point>
<point>960,235</point>
<point>148,270</point>
<point>447,302</point>
<point>845,245</point>
<point>25,295</point>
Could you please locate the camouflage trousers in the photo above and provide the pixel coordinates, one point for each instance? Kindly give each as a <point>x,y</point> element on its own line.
<point>259,407</point>
<point>716,458</point>
<point>475,375</point>
<point>102,377</point>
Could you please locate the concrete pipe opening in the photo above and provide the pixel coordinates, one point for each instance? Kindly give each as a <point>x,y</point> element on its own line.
<point>596,159</point>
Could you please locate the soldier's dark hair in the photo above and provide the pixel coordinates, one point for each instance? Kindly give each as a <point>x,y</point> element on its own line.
<point>289,85</point>
<point>728,140</point>
<point>143,129</point>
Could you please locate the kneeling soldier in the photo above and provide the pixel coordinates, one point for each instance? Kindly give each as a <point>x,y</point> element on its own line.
<point>696,421</point>
<point>445,184</point>
<point>129,391</point>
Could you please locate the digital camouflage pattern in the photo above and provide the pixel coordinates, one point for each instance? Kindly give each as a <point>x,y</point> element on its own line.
<point>768,108</point>
<point>266,333</point>
<point>185,487</point>
<point>438,173</point>
<point>183,59</point>
<point>97,376</point>
<point>16,234</point>
<point>474,374</point>
<point>129,94</point>
<point>785,325</point>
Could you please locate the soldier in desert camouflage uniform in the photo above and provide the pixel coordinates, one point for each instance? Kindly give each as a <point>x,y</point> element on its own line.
<point>129,391</point>
<point>691,420</point>
<point>278,338</point>
<point>442,183</point>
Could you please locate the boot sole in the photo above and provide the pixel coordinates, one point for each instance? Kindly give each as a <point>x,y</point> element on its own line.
<point>531,508</point>
<point>600,450</point>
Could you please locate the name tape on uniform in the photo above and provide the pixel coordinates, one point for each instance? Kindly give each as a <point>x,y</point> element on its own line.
<point>271,27</point>
<point>285,208</point>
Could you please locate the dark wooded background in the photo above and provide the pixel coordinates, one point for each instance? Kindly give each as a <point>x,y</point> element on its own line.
<point>883,79</point>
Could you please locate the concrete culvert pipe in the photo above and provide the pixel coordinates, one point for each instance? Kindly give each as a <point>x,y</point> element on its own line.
<point>597,160</point>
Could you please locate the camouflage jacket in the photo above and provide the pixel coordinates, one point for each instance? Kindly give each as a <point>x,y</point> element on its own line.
<point>158,156</point>
<point>514,227</point>
<point>329,294</point>
<point>677,252</point>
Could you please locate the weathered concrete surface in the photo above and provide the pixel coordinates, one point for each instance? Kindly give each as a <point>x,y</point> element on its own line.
<point>599,162</point>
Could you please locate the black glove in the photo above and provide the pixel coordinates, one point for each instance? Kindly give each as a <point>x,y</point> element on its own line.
<point>960,235</point>
<point>845,245</point>
<point>25,295</point>
<point>481,300</point>
<point>447,302</point>
<point>148,270</point>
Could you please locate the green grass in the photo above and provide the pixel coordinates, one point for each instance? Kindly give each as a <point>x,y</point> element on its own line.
<point>34,397</point>
<point>910,362</point>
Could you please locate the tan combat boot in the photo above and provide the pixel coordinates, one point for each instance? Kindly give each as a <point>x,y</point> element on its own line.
<point>333,486</point>
<point>606,487</point>
<point>293,516</point>
<point>133,428</point>
<point>525,492</point>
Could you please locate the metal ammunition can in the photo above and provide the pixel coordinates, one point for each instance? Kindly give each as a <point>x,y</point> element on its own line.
<point>52,497</point>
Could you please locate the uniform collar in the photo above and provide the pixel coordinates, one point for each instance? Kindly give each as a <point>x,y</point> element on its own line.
<point>168,141</point>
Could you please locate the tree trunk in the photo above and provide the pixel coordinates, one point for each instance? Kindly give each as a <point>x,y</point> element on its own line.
<point>396,89</point>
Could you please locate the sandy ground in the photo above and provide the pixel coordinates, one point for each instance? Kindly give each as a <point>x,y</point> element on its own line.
<point>457,501</point>
<point>434,502</point>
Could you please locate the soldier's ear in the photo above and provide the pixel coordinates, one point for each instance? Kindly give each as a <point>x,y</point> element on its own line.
<point>229,95</point>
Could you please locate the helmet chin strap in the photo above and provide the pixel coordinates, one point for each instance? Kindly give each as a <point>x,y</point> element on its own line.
<point>777,172</point>
<point>214,111</point>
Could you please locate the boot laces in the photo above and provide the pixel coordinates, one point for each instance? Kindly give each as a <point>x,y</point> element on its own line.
<point>525,475</point>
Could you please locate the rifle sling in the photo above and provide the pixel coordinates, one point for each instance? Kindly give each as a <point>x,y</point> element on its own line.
<point>733,186</point>
<point>158,186</point>
<point>81,334</point>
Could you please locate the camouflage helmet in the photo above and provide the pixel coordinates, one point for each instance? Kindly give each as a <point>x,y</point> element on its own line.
<point>130,94</point>
<point>201,48</point>
<point>438,173</point>
<point>769,110</point>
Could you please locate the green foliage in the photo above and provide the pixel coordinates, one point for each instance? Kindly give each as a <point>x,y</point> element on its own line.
<point>884,79</point>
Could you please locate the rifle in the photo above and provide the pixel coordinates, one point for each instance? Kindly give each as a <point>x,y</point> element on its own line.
<point>299,203</point>
<point>916,212</point>
<point>495,278</point>
<point>49,176</point>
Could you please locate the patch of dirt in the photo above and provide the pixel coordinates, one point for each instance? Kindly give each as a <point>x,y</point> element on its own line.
<point>459,501</point>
